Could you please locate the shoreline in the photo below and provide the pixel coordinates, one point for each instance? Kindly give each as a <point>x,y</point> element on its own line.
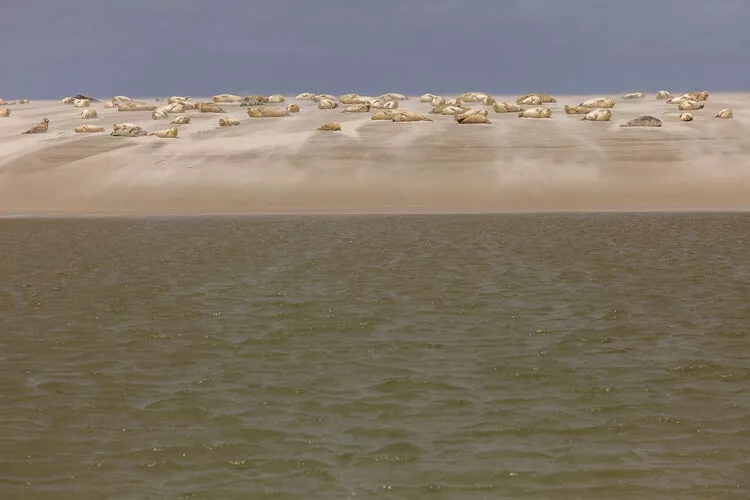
<point>282,166</point>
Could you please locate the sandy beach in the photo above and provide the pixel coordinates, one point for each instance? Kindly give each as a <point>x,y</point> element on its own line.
<point>283,165</point>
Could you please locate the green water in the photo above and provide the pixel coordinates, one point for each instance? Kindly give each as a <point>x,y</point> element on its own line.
<point>405,357</point>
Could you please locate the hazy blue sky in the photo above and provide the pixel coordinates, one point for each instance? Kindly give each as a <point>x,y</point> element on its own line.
<point>52,48</point>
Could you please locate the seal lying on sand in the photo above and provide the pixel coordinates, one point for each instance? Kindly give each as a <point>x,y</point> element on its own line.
<point>598,115</point>
<point>409,116</point>
<point>251,101</point>
<point>448,110</point>
<point>686,117</point>
<point>598,102</point>
<point>330,127</point>
<point>472,116</point>
<point>536,113</point>
<point>327,104</point>
<point>545,98</point>
<point>128,131</point>
<point>170,133</point>
<point>305,96</point>
<point>690,105</point>
<point>357,108</point>
<point>576,110</point>
<point>159,114</point>
<point>4,113</point>
<point>276,98</point>
<point>292,108</point>
<point>229,98</point>
<point>724,113</point>
<point>81,103</point>
<point>506,107</point>
<point>228,122</point>
<point>383,114</point>
<point>266,112</point>
<point>663,95</point>
<point>532,100</point>
<point>633,95</point>
<point>136,106</point>
<point>88,129</point>
<point>181,120</point>
<point>643,121</point>
<point>39,127</point>
<point>209,107</point>
<point>87,114</point>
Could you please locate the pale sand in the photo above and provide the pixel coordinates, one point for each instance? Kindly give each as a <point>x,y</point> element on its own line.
<point>282,165</point>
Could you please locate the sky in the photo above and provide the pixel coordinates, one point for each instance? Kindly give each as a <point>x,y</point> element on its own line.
<point>54,48</point>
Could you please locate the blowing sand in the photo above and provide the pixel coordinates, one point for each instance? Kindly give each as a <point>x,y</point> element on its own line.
<point>283,165</point>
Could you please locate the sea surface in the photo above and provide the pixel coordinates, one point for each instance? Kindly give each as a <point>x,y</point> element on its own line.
<point>356,357</point>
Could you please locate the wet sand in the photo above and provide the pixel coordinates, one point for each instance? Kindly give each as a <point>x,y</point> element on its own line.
<point>282,165</point>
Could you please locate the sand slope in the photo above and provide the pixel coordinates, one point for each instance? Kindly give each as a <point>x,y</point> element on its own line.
<point>278,165</point>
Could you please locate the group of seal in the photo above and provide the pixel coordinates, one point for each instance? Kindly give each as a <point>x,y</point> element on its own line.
<point>384,107</point>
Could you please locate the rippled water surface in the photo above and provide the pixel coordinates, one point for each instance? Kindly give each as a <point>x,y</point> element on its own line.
<point>509,356</point>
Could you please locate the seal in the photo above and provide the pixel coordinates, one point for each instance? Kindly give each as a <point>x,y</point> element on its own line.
<point>330,127</point>
<point>546,98</point>
<point>39,128</point>
<point>599,102</point>
<point>536,113</point>
<point>170,133</point>
<point>228,122</point>
<point>506,107</point>
<point>724,113</point>
<point>598,115</point>
<point>576,110</point>
<point>643,121</point>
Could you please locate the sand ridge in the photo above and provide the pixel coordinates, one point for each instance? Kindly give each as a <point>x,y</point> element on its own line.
<point>283,165</point>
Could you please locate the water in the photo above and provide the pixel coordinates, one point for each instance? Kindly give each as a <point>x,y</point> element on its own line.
<point>518,356</point>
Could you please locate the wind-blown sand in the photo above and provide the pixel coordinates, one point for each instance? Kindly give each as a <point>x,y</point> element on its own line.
<point>282,165</point>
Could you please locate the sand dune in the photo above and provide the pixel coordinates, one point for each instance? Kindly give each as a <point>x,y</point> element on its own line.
<point>282,165</point>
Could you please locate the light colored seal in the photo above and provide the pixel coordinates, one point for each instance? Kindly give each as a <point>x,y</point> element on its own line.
<point>327,104</point>
<point>536,113</point>
<point>599,102</point>
<point>631,96</point>
<point>87,114</point>
<point>663,95</point>
<point>228,98</point>
<point>724,113</point>
<point>276,98</point>
<point>383,114</point>
<point>330,127</point>
<point>292,108</point>
<point>39,128</point>
<point>545,98</point>
<point>266,112</point>
<point>598,115</point>
<point>88,129</point>
<point>209,107</point>
<point>357,108</point>
<point>181,120</point>
<point>686,117</point>
<point>690,105</point>
<point>576,110</point>
<point>228,122</point>
<point>409,116</point>
<point>160,114</point>
<point>170,133</point>
<point>472,116</point>
<point>506,107</point>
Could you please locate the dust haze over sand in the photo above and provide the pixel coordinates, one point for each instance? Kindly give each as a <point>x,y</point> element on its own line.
<point>282,165</point>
